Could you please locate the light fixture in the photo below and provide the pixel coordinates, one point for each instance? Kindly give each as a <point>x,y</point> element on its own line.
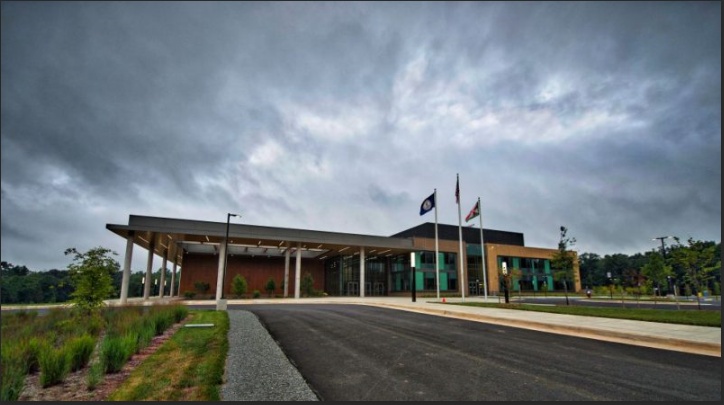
<point>372,251</point>
<point>323,257</point>
<point>319,246</point>
<point>280,243</point>
<point>342,250</point>
<point>385,251</point>
<point>207,238</point>
<point>141,238</point>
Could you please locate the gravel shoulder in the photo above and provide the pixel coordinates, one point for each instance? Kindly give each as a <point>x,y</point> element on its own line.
<point>256,368</point>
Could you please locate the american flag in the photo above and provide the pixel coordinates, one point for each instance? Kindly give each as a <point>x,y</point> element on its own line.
<point>457,191</point>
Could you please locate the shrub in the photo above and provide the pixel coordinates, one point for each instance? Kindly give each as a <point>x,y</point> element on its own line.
<point>80,350</point>
<point>95,374</point>
<point>180,312</point>
<point>32,354</point>
<point>271,285</point>
<point>146,332</point>
<point>189,295</point>
<point>13,373</point>
<point>202,287</point>
<point>115,351</point>
<point>307,285</point>
<point>238,285</point>
<point>54,366</point>
<point>95,325</point>
<point>256,294</point>
<point>162,321</point>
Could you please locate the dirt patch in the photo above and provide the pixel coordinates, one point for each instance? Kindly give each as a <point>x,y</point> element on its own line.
<point>74,387</point>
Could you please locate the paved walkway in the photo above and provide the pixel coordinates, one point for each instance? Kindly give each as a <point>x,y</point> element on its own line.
<point>257,369</point>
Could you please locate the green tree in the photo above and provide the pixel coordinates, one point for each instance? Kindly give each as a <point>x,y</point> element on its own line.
<point>656,272</point>
<point>202,287</point>
<point>91,274</point>
<point>307,285</point>
<point>564,260</point>
<point>271,285</point>
<point>699,260</point>
<point>238,285</point>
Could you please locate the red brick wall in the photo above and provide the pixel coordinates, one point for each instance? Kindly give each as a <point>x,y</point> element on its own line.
<point>256,271</point>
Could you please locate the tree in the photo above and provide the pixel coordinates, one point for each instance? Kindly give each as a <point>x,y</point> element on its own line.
<point>307,285</point>
<point>271,285</point>
<point>91,274</point>
<point>238,285</point>
<point>656,272</point>
<point>700,263</point>
<point>564,261</point>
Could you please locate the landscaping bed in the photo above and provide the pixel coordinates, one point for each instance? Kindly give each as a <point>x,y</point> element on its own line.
<point>190,366</point>
<point>74,356</point>
<point>683,317</point>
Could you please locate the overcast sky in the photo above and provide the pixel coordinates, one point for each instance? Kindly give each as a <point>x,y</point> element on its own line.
<point>605,118</point>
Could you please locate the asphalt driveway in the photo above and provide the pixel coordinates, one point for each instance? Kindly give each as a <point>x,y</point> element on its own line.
<point>351,352</point>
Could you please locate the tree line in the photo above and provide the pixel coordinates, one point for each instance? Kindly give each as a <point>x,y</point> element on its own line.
<point>693,267</point>
<point>20,285</point>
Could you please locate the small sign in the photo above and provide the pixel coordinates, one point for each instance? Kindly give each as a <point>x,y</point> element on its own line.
<point>505,268</point>
<point>608,274</point>
<point>412,259</point>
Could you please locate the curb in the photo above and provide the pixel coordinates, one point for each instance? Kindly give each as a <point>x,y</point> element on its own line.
<point>673,344</point>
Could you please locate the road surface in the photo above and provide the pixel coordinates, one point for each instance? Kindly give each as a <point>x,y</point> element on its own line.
<point>350,352</point>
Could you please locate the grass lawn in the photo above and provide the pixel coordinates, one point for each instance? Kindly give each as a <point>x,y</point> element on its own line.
<point>190,366</point>
<point>684,317</point>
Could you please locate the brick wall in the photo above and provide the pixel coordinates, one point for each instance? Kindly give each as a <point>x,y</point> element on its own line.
<point>256,271</point>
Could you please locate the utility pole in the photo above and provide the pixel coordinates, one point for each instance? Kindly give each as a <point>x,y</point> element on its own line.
<point>672,284</point>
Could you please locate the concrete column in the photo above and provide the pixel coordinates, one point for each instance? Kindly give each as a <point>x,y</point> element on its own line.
<point>173,280</point>
<point>362,272</point>
<point>163,275</point>
<point>220,273</point>
<point>298,272</point>
<point>287,259</point>
<point>127,268</point>
<point>149,270</point>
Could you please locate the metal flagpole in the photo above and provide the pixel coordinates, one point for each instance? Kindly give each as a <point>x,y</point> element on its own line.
<point>482,252</point>
<point>460,229</point>
<point>437,252</point>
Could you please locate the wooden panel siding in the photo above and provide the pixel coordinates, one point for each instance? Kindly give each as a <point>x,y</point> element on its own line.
<point>256,270</point>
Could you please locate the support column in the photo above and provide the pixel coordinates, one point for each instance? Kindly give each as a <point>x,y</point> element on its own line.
<point>220,273</point>
<point>173,280</point>
<point>127,268</point>
<point>287,260</point>
<point>362,272</point>
<point>149,269</point>
<point>161,282</point>
<point>298,272</point>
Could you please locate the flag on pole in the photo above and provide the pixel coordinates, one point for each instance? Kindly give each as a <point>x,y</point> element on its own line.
<point>427,205</point>
<point>473,213</point>
<point>457,191</point>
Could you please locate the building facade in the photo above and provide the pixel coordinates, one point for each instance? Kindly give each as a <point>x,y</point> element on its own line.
<point>340,264</point>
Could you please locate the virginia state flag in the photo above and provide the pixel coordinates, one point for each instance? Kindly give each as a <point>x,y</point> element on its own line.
<point>427,205</point>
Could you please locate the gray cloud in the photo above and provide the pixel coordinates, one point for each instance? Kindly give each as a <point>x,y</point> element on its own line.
<point>602,117</point>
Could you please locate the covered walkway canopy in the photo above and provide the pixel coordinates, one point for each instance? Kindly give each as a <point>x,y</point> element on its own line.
<point>170,238</point>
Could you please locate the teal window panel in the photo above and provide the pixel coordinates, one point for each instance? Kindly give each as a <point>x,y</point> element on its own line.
<point>443,282</point>
<point>419,281</point>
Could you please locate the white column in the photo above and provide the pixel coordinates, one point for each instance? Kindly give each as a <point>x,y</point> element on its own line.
<point>287,260</point>
<point>298,272</point>
<point>127,268</point>
<point>161,282</point>
<point>173,280</point>
<point>149,270</point>
<point>362,272</point>
<point>220,274</point>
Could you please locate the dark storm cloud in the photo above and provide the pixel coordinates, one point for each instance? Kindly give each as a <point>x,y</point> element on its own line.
<point>602,117</point>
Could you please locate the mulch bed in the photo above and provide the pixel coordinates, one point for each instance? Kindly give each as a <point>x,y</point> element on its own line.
<point>74,387</point>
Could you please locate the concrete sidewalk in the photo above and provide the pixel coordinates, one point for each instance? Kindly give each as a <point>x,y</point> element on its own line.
<point>683,338</point>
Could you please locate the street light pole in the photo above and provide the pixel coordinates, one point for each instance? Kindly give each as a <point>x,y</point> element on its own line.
<point>226,249</point>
